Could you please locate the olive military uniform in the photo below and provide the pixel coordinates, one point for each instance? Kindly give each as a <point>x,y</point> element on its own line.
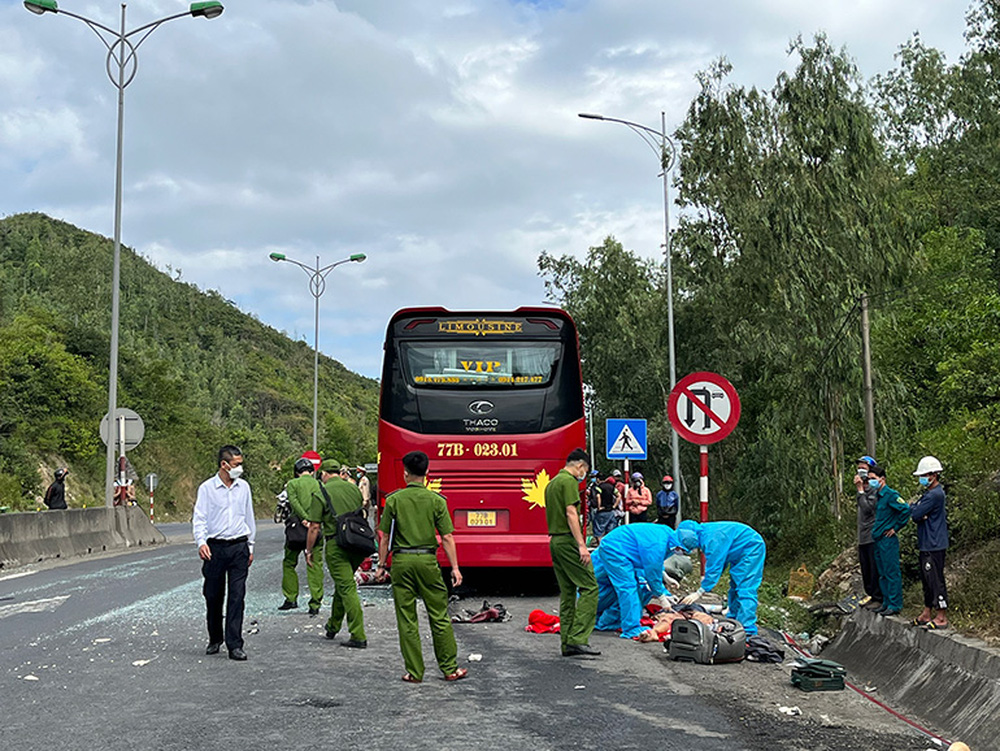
<point>576,616</point>
<point>300,492</point>
<point>419,515</point>
<point>344,497</point>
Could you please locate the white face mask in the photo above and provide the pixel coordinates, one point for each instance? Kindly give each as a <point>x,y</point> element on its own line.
<point>235,472</point>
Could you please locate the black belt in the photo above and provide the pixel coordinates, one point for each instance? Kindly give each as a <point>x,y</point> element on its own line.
<point>221,541</point>
<point>432,551</point>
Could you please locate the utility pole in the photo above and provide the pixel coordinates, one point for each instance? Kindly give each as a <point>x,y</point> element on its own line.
<point>866,367</point>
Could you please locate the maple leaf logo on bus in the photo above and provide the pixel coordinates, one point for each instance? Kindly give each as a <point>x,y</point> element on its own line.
<point>434,485</point>
<point>534,490</point>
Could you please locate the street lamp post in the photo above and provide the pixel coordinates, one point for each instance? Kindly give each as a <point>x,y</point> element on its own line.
<point>664,147</point>
<point>121,65</point>
<point>317,285</point>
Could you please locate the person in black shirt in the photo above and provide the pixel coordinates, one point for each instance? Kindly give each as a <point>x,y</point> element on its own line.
<point>55,495</point>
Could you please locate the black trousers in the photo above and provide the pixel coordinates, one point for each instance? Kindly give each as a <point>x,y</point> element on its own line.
<point>229,561</point>
<point>869,571</point>
<point>932,577</point>
<point>669,519</point>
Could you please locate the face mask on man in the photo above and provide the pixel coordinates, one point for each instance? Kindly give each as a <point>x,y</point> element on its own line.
<point>235,472</point>
<point>667,486</point>
<point>873,482</point>
<point>925,481</point>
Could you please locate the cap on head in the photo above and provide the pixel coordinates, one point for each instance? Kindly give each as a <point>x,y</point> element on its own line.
<point>616,473</point>
<point>668,478</point>
<point>929,465</point>
<point>687,539</point>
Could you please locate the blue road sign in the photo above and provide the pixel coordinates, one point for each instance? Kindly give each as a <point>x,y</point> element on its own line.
<point>626,439</point>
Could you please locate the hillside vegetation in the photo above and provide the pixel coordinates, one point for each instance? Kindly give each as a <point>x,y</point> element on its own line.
<point>199,372</point>
<point>796,200</point>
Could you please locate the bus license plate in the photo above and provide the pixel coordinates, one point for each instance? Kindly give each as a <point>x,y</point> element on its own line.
<point>482,519</point>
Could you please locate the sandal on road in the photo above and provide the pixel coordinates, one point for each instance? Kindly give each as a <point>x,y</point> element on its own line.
<point>457,675</point>
<point>410,679</point>
<point>917,622</point>
<point>932,626</point>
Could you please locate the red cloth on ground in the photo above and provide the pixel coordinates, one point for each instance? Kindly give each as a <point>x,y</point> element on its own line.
<point>540,622</point>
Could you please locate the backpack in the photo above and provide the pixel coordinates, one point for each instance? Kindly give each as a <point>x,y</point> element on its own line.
<point>694,641</point>
<point>352,533</point>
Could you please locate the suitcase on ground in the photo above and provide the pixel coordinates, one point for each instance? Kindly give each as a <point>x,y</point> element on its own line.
<point>691,641</point>
<point>730,641</point>
<point>818,675</point>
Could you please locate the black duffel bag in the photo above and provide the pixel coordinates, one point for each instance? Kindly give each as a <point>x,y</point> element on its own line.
<point>352,533</point>
<point>295,533</point>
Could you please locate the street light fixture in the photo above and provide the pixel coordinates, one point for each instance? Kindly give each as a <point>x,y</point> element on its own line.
<point>122,51</point>
<point>664,147</point>
<point>317,285</point>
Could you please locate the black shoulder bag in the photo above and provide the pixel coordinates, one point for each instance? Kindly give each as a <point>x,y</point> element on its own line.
<point>352,532</point>
<point>295,532</point>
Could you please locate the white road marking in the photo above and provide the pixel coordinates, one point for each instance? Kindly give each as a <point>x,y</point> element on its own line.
<point>35,606</point>
<point>17,575</point>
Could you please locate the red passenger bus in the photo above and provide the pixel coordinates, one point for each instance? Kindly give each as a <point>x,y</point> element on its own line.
<point>495,399</point>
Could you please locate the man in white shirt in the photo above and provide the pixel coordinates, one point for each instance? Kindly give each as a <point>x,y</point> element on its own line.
<point>224,531</point>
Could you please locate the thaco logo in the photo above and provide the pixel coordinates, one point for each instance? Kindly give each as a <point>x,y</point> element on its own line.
<point>481,407</point>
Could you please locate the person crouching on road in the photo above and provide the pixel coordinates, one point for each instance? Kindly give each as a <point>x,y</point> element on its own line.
<point>300,491</point>
<point>742,549</point>
<point>626,554</point>
<point>333,498</point>
<point>411,520</point>
<point>224,530</point>
<point>932,540</point>
<point>867,499</point>
<point>570,557</point>
<point>891,515</point>
<point>637,499</point>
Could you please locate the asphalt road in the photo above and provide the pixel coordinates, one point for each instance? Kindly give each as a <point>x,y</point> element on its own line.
<point>109,653</point>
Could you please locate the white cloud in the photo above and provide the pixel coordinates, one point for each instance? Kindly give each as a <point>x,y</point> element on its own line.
<point>439,138</point>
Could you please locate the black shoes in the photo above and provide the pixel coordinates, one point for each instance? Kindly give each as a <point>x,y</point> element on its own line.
<point>580,650</point>
<point>355,644</point>
<point>886,612</point>
<point>288,605</point>
<point>237,654</point>
<point>313,611</point>
<point>213,648</point>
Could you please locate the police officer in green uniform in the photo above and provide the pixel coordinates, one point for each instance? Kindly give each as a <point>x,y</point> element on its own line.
<point>340,498</point>
<point>300,491</point>
<point>411,521</point>
<point>571,558</point>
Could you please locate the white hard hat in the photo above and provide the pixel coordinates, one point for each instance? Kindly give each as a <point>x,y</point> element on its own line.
<point>927,465</point>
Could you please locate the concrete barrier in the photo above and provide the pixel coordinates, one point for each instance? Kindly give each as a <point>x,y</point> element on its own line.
<point>40,536</point>
<point>950,681</point>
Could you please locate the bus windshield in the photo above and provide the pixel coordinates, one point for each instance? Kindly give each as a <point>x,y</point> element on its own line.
<point>476,363</point>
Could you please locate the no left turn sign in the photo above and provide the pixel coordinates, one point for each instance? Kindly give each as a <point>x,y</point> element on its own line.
<point>703,408</point>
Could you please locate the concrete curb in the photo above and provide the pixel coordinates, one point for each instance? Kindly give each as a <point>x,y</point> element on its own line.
<point>947,679</point>
<point>39,536</point>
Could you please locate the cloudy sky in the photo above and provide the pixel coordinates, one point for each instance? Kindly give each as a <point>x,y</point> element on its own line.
<point>439,137</point>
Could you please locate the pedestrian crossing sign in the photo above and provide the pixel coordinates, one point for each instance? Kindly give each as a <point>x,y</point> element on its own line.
<point>626,439</point>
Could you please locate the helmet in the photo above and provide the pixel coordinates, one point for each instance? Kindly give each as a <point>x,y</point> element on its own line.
<point>593,473</point>
<point>928,465</point>
<point>616,473</point>
<point>869,460</point>
<point>303,465</point>
<point>61,473</point>
<point>637,475</point>
<point>667,478</point>
<point>687,539</point>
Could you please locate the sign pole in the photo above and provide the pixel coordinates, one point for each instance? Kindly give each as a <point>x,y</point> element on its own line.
<point>150,505</point>
<point>627,481</point>
<point>703,482</point>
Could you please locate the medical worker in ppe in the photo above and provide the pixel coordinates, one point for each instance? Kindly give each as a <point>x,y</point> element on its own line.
<point>742,549</point>
<point>629,570</point>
